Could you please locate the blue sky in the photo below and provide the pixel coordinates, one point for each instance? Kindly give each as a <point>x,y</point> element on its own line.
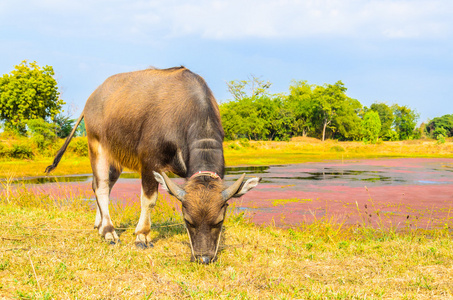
<point>386,51</point>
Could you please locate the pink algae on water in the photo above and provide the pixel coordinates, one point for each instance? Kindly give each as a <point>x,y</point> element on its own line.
<point>403,192</point>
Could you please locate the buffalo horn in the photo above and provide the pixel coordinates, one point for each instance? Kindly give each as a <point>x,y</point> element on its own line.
<point>233,189</point>
<point>173,188</point>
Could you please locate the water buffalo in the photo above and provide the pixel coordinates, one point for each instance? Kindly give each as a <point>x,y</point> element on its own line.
<point>153,121</point>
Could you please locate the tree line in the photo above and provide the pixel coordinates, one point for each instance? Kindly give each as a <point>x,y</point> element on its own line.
<point>30,105</point>
<point>318,111</point>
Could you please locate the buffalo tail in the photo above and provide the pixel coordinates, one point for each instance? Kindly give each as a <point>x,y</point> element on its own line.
<point>63,148</point>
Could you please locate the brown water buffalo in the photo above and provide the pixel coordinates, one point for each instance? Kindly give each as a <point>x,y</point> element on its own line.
<point>153,121</point>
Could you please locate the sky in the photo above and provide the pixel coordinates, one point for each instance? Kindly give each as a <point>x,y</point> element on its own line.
<point>390,51</point>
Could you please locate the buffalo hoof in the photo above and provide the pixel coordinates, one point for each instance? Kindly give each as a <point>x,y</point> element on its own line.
<point>143,246</point>
<point>113,243</point>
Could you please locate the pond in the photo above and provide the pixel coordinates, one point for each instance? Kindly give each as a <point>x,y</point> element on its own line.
<point>252,170</point>
<point>379,192</point>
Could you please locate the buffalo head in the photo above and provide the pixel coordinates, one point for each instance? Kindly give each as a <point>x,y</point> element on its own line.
<point>204,201</point>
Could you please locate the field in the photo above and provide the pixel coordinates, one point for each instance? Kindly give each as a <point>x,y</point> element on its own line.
<point>245,152</point>
<point>49,249</point>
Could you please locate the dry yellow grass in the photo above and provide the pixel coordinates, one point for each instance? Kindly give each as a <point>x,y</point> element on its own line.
<point>30,168</point>
<point>48,250</point>
<point>299,150</point>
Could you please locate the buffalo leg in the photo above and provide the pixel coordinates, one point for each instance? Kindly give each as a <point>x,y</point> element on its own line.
<point>105,176</point>
<point>148,200</point>
<point>114,174</point>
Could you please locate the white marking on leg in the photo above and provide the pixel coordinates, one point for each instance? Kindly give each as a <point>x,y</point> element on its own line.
<point>97,221</point>
<point>143,229</point>
<point>102,195</point>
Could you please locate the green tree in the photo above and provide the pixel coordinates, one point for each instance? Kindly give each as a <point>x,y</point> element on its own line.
<point>445,122</point>
<point>405,121</point>
<point>347,122</point>
<point>278,118</point>
<point>81,129</point>
<point>236,116</point>
<point>386,117</point>
<point>371,126</point>
<point>254,113</point>
<point>330,103</point>
<point>300,104</point>
<point>28,92</point>
<point>307,110</point>
<point>257,118</point>
<point>253,87</point>
<point>64,125</point>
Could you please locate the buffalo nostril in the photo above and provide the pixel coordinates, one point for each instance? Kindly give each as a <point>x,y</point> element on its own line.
<point>205,259</point>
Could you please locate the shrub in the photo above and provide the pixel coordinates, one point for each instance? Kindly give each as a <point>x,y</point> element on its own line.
<point>3,151</point>
<point>391,136</point>
<point>234,146</point>
<point>79,146</point>
<point>21,151</point>
<point>440,139</point>
<point>440,131</point>
<point>244,142</point>
<point>337,148</point>
<point>41,133</point>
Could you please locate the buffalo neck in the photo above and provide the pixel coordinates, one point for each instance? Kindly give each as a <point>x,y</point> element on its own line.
<point>206,154</point>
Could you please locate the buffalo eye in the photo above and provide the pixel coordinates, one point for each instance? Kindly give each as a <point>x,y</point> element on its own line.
<point>218,225</point>
<point>189,224</point>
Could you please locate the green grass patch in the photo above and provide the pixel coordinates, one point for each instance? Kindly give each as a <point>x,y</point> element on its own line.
<point>49,250</point>
<point>277,202</point>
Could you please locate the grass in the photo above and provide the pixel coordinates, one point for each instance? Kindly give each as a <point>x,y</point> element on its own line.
<point>299,150</point>
<point>36,167</point>
<point>48,250</point>
<point>277,202</point>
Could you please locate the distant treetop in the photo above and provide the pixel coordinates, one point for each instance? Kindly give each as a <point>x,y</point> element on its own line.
<point>28,92</point>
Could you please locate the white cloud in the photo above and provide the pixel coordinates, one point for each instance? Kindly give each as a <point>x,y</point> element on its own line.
<point>232,19</point>
<point>298,19</point>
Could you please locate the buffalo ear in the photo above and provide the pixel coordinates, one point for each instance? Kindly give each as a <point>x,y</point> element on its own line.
<point>240,187</point>
<point>171,187</point>
<point>247,186</point>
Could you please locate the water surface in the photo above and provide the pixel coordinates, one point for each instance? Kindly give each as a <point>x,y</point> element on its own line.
<point>401,189</point>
